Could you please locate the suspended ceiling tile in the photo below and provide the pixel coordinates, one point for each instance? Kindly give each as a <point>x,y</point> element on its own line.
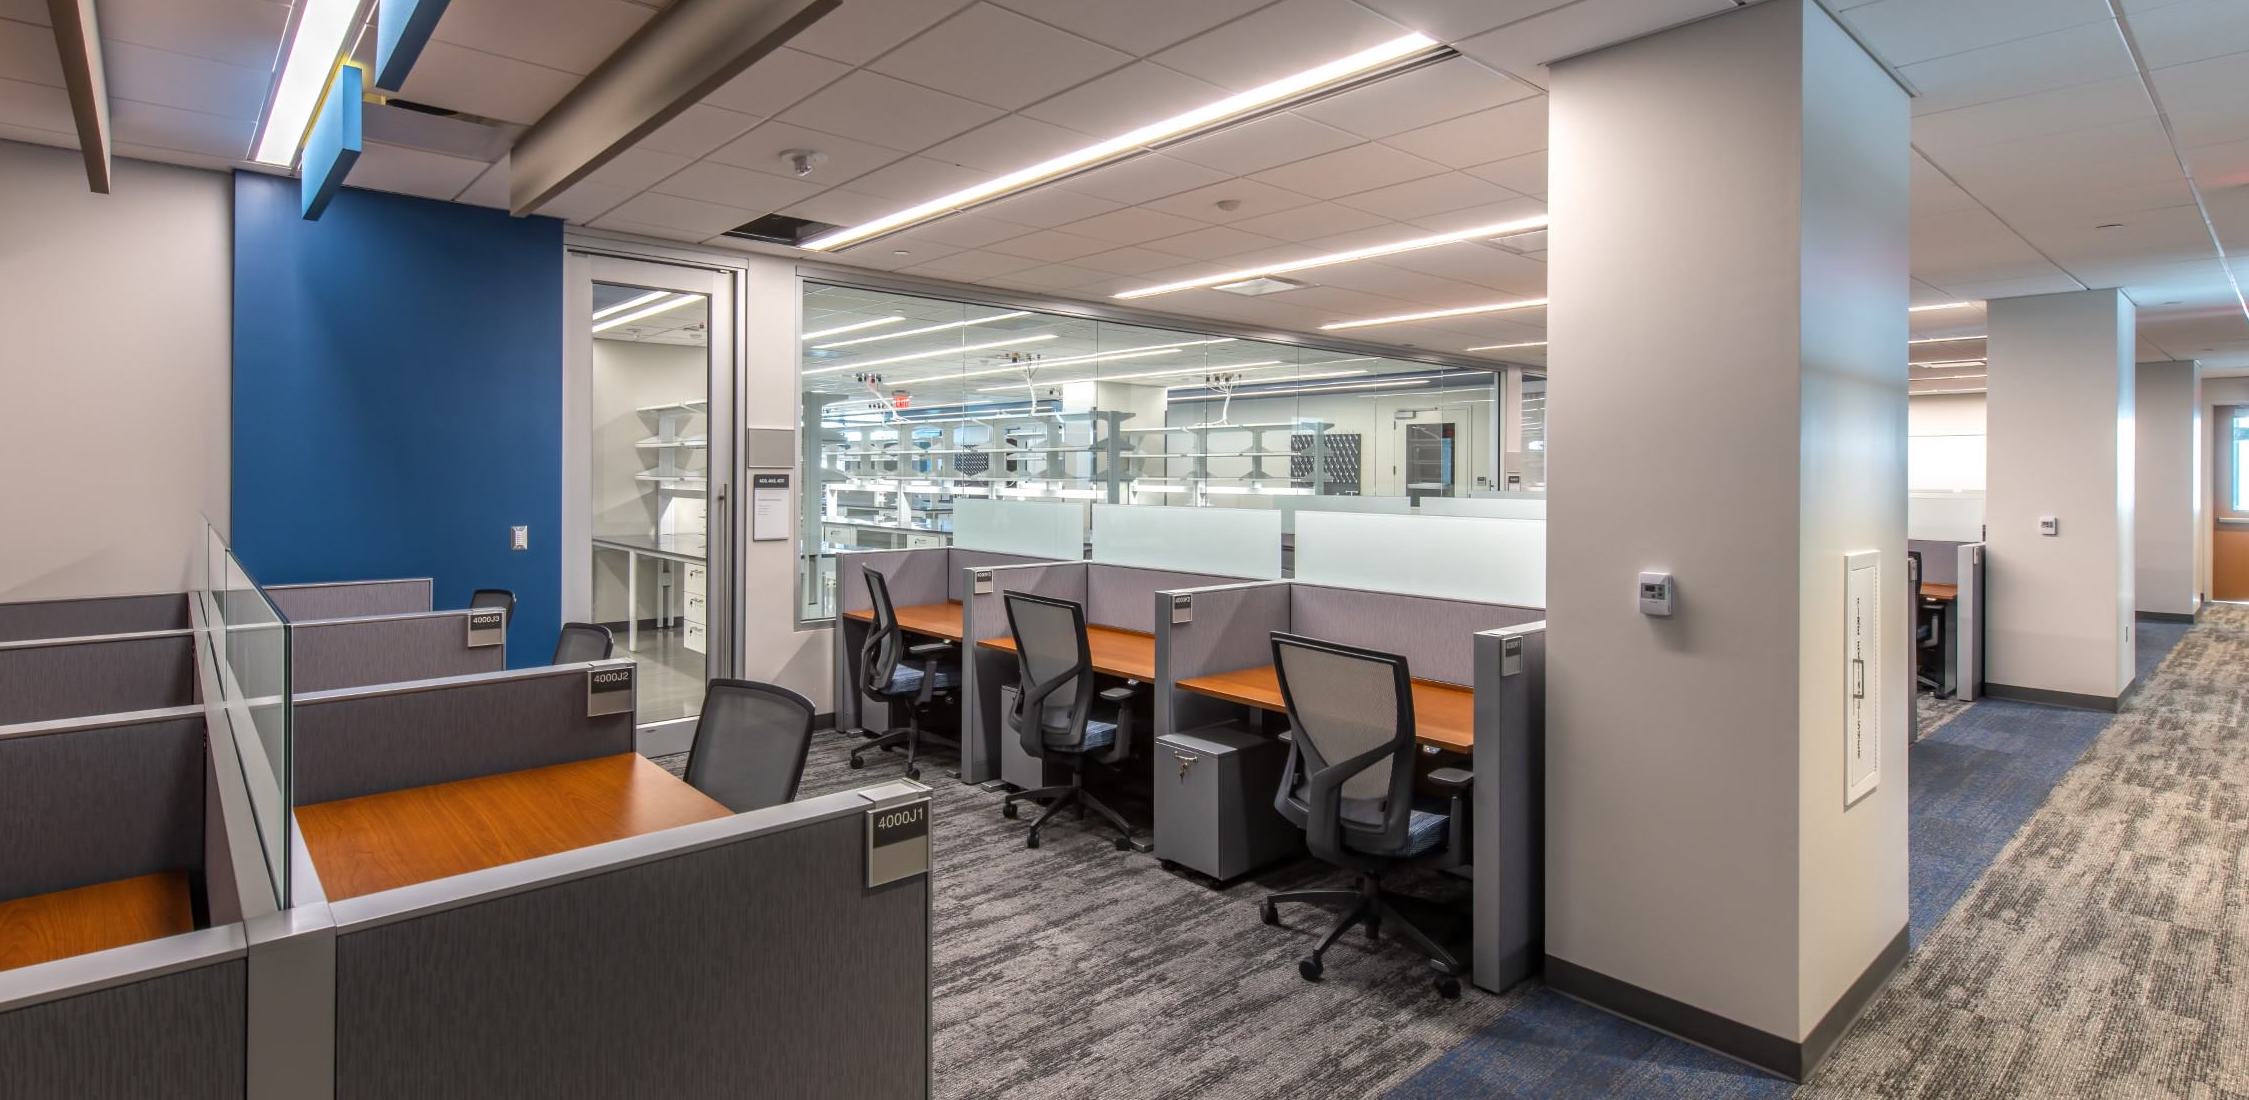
<point>1522,49</point>
<point>403,171</point>
<point>1047,207</point>
<point>636,170</point>
<point>1424,197</point>
<point>841,158</point>
<point>27,53</point>
<point>187,131</point>
<point>1277,41</point>
<point>859,31</point>
<point>1142,179</point>
<point>1420,98</point>
<point>1496,134</point>
<point>775,82</point>
<point>674,212</point>
<point>573,36</point>
<point>1141,27</point>
<point>975,229</point>
<point>1310,221</point>
<point>1525,174</point>
<point>1903,32</point>
<point>971,266</point>
<point>1265,143</point>
<point>1249,199</point>
<point>243,33</point>
<point>490,188</point>
<point>698,130</point>
<point>1216,242</point>
<point>1128,261</point>
<point>33,12</point>
<point>1052,245</point>
<point>2176,34</point>
<point>884,111</point>
<point>1125,100</point>
<point>917,179</point>
<point>842,206</point>
<point>1350,171</point>
<point>994,56</point>
<point>740,188</point>
<point>1008,143</point>
<point>1133,225</point>
<point>42,107</point>
<point>2056,59</point>
<point>2075,107</point>
<point>1512,208</point>
<point>462,79</point>
<point>1453,20</point>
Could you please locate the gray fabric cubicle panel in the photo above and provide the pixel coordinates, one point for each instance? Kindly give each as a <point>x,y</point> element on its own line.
<point>760,966</point>
<point>364,740</point>
<point>388,649</point>
<point>40,681</point>
<point>1232,629</point>
<point>99,800</point>
<point>178,1035</point>
<point>1124,596</point>
<point>1940,560</point>
<point>1434,635</point>
<point>79,618</point>
<point>915,576</point>
<point>984,671</point>
<point>351,599</point>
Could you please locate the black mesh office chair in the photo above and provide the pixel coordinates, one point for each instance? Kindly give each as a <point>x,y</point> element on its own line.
<point>1349,785</point>
<point>895,672</point>
<point>489,598</point>
<point>750,744</point>
<point>1054,709</point>
<point>583,642</point>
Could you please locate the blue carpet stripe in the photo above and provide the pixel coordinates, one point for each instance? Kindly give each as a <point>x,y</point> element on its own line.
<point>1971,785</point>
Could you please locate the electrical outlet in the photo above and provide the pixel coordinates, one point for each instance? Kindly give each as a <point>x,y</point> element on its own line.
<point>519,537</point>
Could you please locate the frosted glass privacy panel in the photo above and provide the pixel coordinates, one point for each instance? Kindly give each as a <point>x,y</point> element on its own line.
<point>1290,506</point>
<point>1229,542</point>
<point>1034,528</point>
<point>1456,557</point>
<point>1492,507</point>
<point>1944,517</point>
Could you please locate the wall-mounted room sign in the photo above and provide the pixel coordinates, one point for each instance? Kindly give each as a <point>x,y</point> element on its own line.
<point>769,507</point>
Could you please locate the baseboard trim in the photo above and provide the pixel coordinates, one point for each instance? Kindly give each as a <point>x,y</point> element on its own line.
<point>1750,1046</point>
<point>825,721</point>
<point>2069,699</point>
<point>2167,616</point>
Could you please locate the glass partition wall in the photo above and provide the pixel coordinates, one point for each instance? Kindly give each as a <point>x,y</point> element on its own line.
<point>911,403</point>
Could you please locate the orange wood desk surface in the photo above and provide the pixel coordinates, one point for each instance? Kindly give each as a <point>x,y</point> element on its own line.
<point>1126,653</point>
<point>1932,591</point>
<point>94,918</point>
<point>398,838</point>
<point>938,620</point>
<point>1443,715</point>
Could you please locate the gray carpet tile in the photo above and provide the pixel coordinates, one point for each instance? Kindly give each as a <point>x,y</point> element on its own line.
<point>2106,951</point>
<point>1076,970</point>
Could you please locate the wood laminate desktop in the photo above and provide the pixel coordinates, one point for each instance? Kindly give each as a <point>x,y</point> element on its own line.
<point>1126,653</point>
<point>398,838</point>
<point>94,918</point>
<point>1444,716</point>
<point>938,620</point>
<point>1930,591</point>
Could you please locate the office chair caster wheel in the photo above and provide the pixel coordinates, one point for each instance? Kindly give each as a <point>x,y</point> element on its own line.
<point>913,773</point>
<point>1310,969</point>
<point>1010,810</point>
<point>1124,843</point>
<point>1269,913</point>
<point>1448,987</point>
<point>1031,841</point>
<point>857,763</point>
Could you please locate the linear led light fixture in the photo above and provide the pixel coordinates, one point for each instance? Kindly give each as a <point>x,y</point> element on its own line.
<point>1410,244</point>
<point>1945,363</point>
<point>921,331</point>
<point>1327,387</point>
<point>1165,373</point>
<point>321,33</point>
<point>853,327</point>
<point>962,350</point>
<point>1096,357</point>
<point>651,311</point>
<point>1508,347</point>
<point>1435,314</point>
<point>1948,339</point>
<point>630,303</point>
<point>1940,305</point>
<point>1387,59</point>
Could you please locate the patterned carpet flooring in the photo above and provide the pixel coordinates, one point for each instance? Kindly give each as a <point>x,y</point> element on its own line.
<point>2094,942</point>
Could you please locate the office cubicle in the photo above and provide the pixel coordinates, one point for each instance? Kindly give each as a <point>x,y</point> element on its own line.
<point>352,599</point>
<point>74,677</point>
<point>1952,580</point>
<point>80,617</point>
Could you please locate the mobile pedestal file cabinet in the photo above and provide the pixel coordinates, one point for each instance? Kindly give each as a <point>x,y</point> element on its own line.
<point>1214,801</point>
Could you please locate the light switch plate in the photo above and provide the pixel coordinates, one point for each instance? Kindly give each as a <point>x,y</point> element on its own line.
<point>519,537</point>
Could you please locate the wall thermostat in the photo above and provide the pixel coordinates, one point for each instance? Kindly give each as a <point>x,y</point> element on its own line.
<point>2049,526</point>
<point>1655,594</point>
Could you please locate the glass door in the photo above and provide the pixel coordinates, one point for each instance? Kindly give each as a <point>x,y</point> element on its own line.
<point>656,376</point>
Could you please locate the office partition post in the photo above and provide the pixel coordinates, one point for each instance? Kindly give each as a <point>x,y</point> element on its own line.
<point>1507,815</point>
<point>1967,624</point>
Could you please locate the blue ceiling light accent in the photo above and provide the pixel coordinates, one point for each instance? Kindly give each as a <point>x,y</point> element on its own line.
<point>402,28</point>
<point>333,145</point>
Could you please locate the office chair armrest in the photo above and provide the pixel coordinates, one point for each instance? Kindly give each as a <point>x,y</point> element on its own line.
<point>1121,698</point>
<point>1117,696</point>
<point>927,648</point>
<point>1456,782</point>
<point>929,652</point>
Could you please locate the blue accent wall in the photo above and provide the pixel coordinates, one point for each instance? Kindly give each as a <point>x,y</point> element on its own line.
<point>398,397</point>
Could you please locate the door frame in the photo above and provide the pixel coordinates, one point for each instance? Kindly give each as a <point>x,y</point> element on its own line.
<point>588,262</point>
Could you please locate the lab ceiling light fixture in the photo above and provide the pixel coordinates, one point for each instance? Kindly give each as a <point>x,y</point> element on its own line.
<point>1436,314</point>
<point>855,326</point>
<point>630,303</point>
<point>961,350</point>
<point>650,311</point>
<point>1507,347</point>
<point>923,330</point>
<point>320,32</point>
<point>1947,339</point>
<point>1392,248</point>
<point>1389,58</point>
<point>1940,305</point>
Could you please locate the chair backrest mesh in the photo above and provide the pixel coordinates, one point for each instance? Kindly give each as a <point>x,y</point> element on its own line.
<point>1049,642</point>
<point>750,744</point>
<point>1344,703</point>
<point>583,642</point>
<point>886,643</point>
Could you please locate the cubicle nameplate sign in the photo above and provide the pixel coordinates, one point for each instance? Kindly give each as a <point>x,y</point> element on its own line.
<point>1510,656</point>
<point>897,842</point>
<point>1182,609</point>
<point>982,582</point>
<point>609,690</point>
<point>487,627</point>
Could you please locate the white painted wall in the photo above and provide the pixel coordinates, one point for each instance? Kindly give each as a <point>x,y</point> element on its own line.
<point>1697,842</point>
<point>774,648</point>
<point>2167,510</point>
<point>115,431</point>
<point>2059,611</point>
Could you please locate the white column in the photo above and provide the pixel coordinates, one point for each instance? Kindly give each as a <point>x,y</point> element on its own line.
<point>1727,399</point>
<point>2058,616</point>
<point>2166,506</point>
